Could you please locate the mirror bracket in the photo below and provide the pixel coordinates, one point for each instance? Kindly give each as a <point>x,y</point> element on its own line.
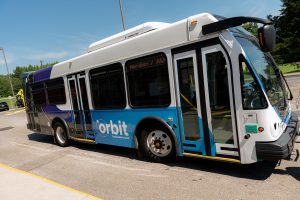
<point>266,33</point>
<point>231,22</point>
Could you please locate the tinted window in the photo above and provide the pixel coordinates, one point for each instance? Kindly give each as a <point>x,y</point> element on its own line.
<point>107,87</point>
<point>148,81</point>
<point>56,91</point>
<point>38,93</point>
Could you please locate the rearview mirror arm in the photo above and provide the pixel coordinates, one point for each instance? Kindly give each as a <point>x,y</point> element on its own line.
<point>231,22</point>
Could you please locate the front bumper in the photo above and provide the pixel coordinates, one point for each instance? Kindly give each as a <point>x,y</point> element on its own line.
<point>281,148</point>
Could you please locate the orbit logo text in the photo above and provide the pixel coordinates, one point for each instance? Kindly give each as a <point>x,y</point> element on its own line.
<point>117,130</point>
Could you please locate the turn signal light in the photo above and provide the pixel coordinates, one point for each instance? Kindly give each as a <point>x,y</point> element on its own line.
<point>194,23</point>
<point>260,129</point>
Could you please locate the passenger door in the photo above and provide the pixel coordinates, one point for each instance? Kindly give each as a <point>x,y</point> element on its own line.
<point>219,101</point>
<point>205,102</point>
<point>80,107</point>
<point>188,102</point>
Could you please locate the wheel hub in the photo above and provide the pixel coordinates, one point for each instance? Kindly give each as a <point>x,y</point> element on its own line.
<point>159,143</point>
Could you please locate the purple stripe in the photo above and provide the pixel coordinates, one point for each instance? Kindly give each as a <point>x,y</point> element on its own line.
<point>42,74</point>
<point>51,108</point>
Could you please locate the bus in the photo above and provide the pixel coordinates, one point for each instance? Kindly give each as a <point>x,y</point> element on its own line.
<point>201,87</point>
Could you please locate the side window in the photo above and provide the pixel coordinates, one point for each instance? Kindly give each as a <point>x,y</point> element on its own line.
<point>148,81</point>
<point>38,93</point>
<point>252,95</point>
<point>56,91</point>
<point>107,87</point>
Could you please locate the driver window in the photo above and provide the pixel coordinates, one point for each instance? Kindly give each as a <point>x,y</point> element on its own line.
<point>252,95</point>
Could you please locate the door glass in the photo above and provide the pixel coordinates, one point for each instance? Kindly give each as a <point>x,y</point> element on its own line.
<point>85,104</point>
<point>219,98</point>
<point>188,98</point>
<point>75,104</point>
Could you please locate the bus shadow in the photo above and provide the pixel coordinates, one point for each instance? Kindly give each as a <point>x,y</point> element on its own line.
<point>257,171</point>
<point>37,137</point>
<point>100,148</point>
<point>107,149</point>
<point>293,171</point>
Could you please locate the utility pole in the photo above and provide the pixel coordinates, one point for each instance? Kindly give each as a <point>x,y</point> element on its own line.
<point>41,61</point>
<point>11,86</point>
<point>121,11</point>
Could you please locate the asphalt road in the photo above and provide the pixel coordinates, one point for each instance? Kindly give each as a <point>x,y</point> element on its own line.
<point>116,173</point>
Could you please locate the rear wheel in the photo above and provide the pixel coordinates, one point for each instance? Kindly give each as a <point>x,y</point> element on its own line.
<point>158,145</point>
<point>60,135</point>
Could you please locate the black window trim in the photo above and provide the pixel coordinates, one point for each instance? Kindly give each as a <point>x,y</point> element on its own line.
<point>127,82</point>
<point>119,64</point>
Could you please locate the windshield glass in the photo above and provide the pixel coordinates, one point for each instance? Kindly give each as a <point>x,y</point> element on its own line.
<point>268,74</point>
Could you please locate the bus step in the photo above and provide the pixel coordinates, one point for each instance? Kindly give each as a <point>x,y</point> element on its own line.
<point>83,140</point>
<point>231,160</point>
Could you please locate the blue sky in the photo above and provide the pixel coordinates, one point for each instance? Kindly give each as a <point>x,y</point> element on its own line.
<point>56,30</point>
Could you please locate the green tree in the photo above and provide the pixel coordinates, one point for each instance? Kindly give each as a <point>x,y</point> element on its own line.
<point>287,26</point>
<point>251,27</point>
<point>5,88</point>
<point>30,68</point>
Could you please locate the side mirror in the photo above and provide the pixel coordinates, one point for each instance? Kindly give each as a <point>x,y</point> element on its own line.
<point>267,37</point>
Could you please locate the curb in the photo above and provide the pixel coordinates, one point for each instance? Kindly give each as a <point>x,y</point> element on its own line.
<point>292,74</point>
<point>86,195</point>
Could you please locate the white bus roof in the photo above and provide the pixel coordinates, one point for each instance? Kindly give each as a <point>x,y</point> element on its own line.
<point>142,39</point>
<point>133,32</point>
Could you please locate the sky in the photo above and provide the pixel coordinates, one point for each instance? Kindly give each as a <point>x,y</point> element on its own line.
<point>56,30</point>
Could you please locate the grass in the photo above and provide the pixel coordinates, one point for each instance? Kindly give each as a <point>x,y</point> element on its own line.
<point>290,67</point>
<point>11,102</point>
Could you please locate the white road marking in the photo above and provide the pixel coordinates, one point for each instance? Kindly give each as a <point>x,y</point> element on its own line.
<point>154,175</point>
<point>108,164</point>
<point>36,147</point>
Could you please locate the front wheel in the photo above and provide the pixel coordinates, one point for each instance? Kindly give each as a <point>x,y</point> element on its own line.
<point>60,135</point>
<point>157,145</point>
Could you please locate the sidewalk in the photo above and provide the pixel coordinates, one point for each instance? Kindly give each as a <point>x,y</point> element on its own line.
<point>15,111</point>
<point>18,184</point>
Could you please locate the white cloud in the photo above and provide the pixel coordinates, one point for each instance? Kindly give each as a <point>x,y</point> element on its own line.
<point>48,55</point>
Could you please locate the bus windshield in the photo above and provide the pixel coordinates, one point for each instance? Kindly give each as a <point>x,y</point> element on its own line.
<point>267,73</point>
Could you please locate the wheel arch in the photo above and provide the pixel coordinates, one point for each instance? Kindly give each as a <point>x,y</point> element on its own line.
<point>153,121</point>
<point>62,121</point>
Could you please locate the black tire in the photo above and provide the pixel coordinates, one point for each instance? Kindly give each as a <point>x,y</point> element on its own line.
<point>60,135</point>
<point>157,145</point>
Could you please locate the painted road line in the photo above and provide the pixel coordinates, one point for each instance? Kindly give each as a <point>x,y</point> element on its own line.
<point>49,181</point>
<point>15,112</point>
